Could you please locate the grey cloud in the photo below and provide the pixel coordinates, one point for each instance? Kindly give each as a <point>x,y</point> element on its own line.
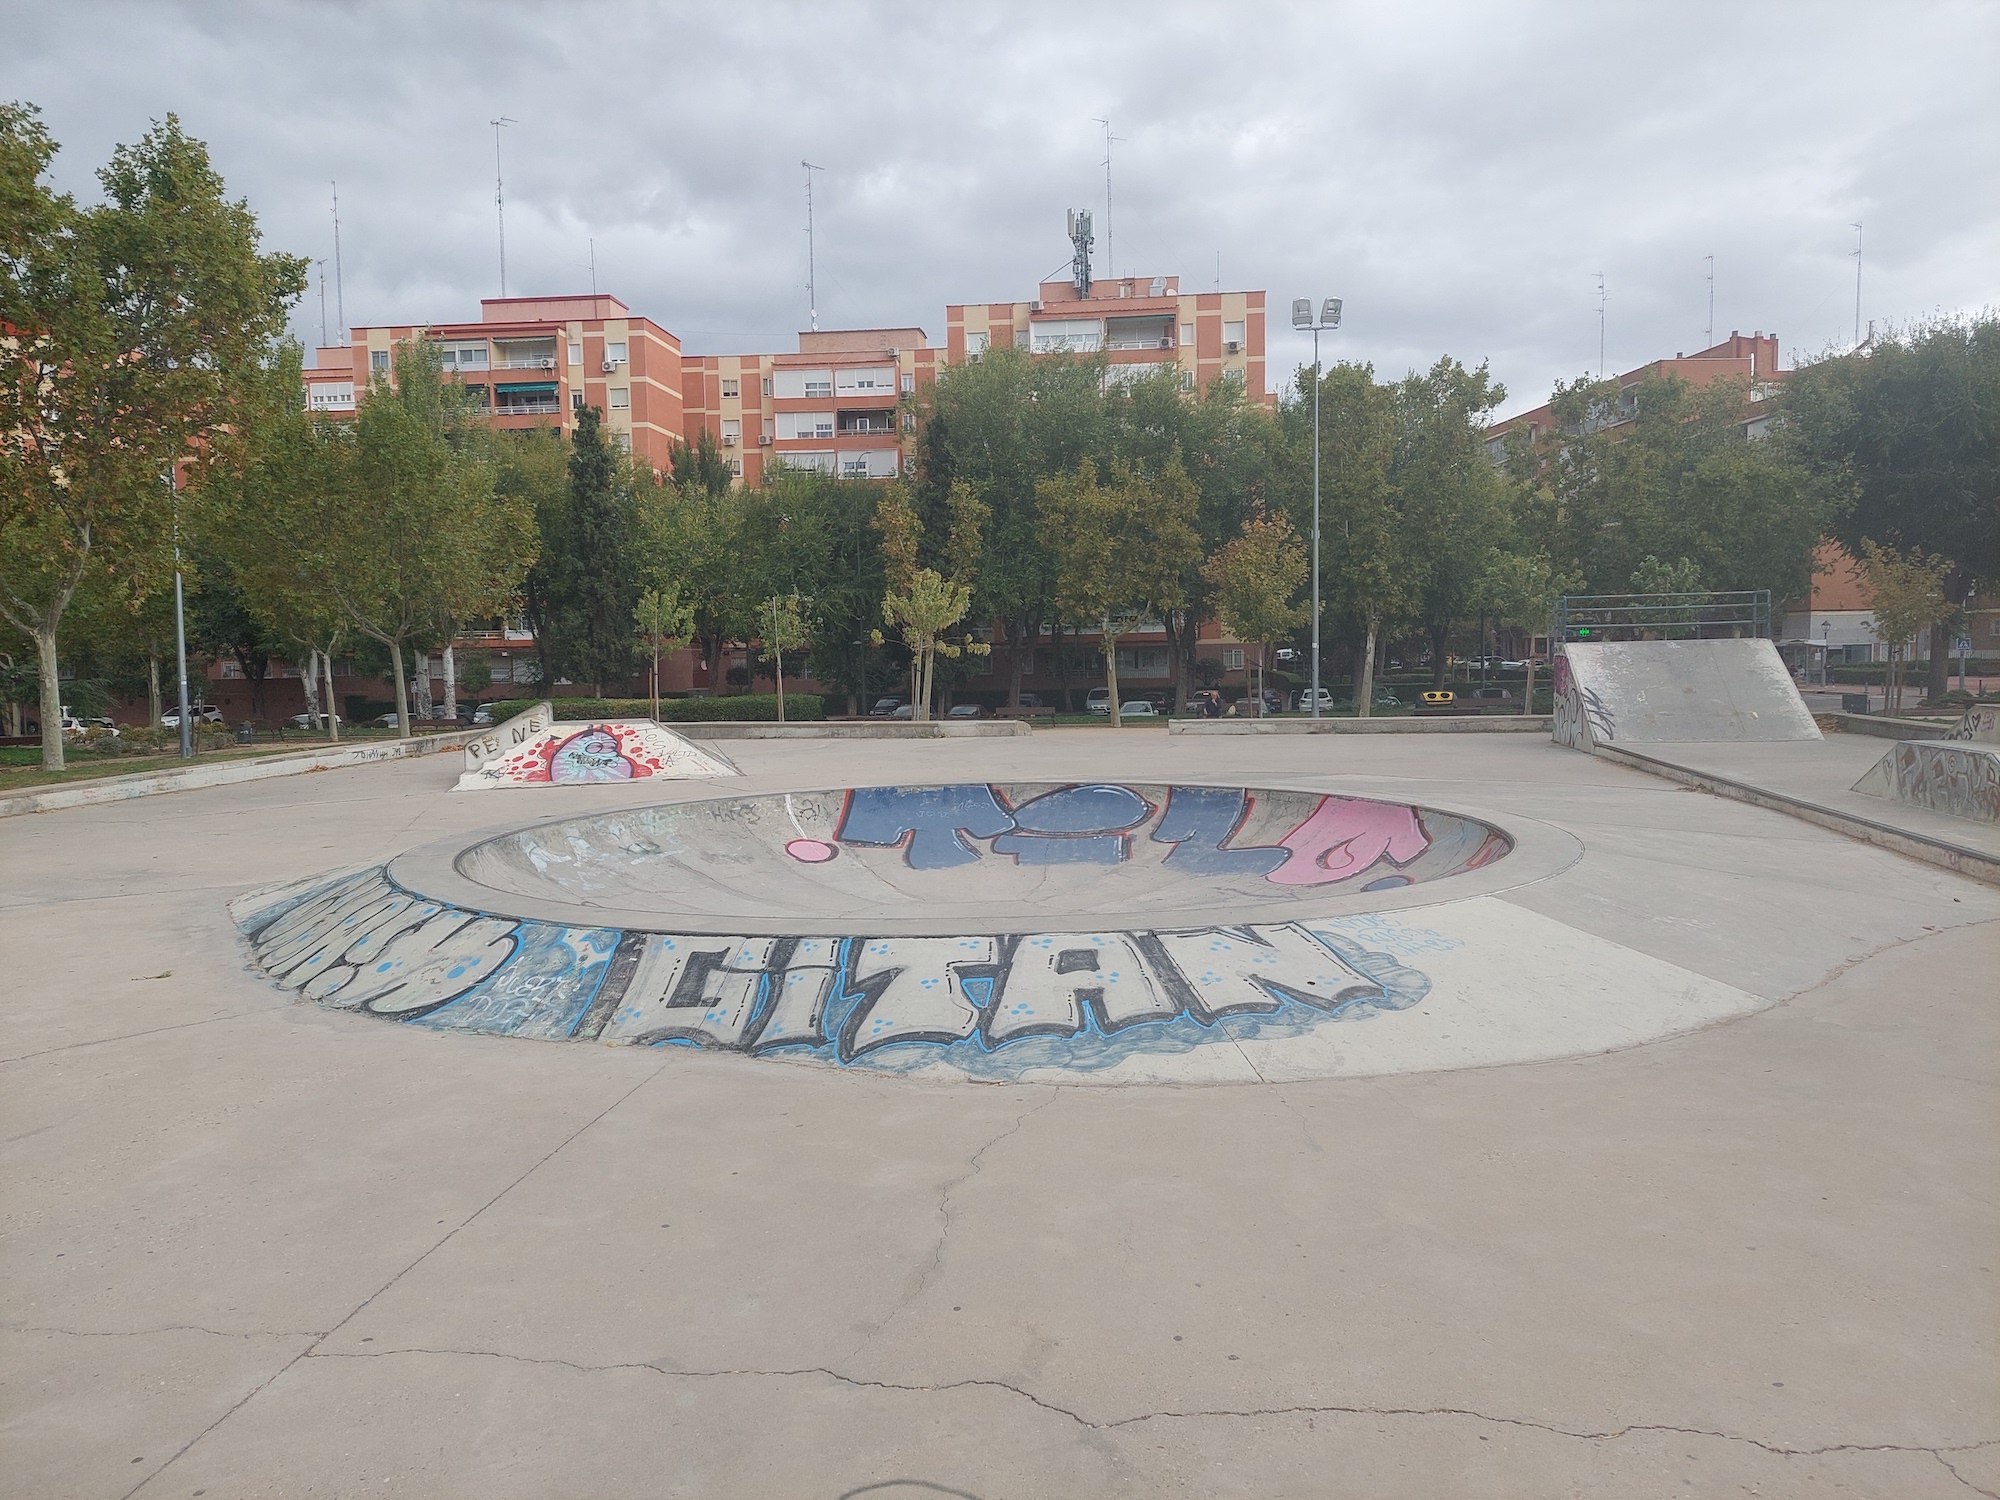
<point>1456,172</point>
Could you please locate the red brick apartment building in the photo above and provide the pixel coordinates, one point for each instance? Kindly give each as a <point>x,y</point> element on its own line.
<point>1752,360</point>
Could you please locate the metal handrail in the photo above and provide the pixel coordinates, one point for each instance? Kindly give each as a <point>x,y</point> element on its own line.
<point>1699,615</point>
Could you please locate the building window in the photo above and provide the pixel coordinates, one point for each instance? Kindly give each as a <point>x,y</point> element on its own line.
<point>576,351</point>
<point>975,345</point>
<point>909,384</point>
<point>823,428</point>
<point>767,385</point>
<point>1187,380</point>
<point>1232,338</point>
<point>621,398</point>
<point>624,440</point>
<point>732,390</point>
<point>576,400</point>
<point>1187,335</point>
<point>378,361</point>
<point>736,467</point>
<point>464,356</point>
<point>770,429</point>
<point>732,433</point>
<point>614,351</point>
<point>1232,659</point>
<point>819,388</point>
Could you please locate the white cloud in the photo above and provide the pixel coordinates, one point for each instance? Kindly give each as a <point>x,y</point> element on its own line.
<point>1457,172</point>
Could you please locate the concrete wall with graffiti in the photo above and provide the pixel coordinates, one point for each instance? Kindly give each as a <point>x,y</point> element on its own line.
<point>533,749</point>
<point>1960,778</point>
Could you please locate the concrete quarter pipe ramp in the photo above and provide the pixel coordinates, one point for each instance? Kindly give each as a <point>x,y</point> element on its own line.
<point>1958,773</point>
<point>532,749</point>
<point>1668,692</point>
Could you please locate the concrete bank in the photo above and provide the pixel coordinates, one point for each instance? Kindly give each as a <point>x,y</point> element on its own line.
<point>1960,858</point>
<point>1444,724</point>
<point>887,729</point>
<point>222,773</point>
<point>1885,728</point>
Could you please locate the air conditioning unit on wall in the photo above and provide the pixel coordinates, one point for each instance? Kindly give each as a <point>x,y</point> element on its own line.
<point>609,365</point>
<point>548,364</point>
<point>764,441</point>
<point>1232,348</point>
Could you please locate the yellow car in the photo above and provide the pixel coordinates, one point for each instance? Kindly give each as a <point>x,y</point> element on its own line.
<point>1438,698</point>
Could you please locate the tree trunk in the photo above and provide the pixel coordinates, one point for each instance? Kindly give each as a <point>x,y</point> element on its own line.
<point>1439,634</point>
<point>1177,674</point>
<point>656,684</point>
<point>52,740</point>
<point>256,670</point>
<point>332,704</point>
<point>402,691</point>
<point>1014,635</point>
<point>310,681</point>
<point>778,658</point>
<point>1528,694</point>
<point>153,707</point>
<point>1111,674</point>
<point>420,686</point>
<point>450,685</point>
<point>1364,688</point>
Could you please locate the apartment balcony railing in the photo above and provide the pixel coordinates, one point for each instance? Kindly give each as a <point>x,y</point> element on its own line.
<point>527,362</point>
<point>1131,343</point>
<point>528,409</point>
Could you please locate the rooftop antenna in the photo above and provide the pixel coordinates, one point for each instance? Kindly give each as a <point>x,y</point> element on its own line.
<point>1711,301</point>
<point>339,294</point>
<point>500,197</point>
<point>812,278</point>
<point>1218,270</point>
<point>1110,257</point>
<point>322,302</point>
<point>1079,236</point>
<point>1857,285</point>
<point>1601,295</point>
<point>593,267</point>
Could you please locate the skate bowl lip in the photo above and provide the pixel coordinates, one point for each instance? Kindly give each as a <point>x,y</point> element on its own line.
<point>1538,850</point>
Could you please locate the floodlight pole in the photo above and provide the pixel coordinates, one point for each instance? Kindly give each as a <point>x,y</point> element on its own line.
<point>1304,321</point>
<point>180,626</point>
<point>1315,663</point>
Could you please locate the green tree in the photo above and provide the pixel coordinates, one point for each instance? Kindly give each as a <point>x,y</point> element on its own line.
<point>406,530</point>
<point>1902,443</point>
<point>781,619</point>
<point>665,624</point>
<point>1121,550</point>
<point>691,539</point>
<point>923,612</point>
<point>1254,579</point>
<point>594,577</point>
<point>127,332</point>
<point>1910,594</point>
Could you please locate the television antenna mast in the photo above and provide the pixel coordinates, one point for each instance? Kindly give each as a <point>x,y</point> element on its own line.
<point>1711,301</point>
<point>812,278</point>
<point>1110,257</point>
<point>593,267</point>
<point>500,196</point>
<point>322,302</point>
<point>339,292</point>
<point>1857,286</point>
<point>1601,296</point>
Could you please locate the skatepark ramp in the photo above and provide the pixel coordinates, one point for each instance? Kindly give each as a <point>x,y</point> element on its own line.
<point>1957,774</point>
<point>1667,692</point>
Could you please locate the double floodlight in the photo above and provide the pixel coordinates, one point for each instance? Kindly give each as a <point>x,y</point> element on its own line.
<point>1302,313</point>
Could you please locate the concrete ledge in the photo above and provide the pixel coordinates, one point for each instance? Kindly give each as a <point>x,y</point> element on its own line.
<point>1458,724</point>
<point>890,729</point>
<point>36,799</point>
<point>1954,857</point>
<point>1886,728</point>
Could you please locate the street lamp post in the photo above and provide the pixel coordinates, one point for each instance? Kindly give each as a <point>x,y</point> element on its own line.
<point>1329,319</point>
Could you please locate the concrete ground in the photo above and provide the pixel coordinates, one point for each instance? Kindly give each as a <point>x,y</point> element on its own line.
<point>258,1248</point>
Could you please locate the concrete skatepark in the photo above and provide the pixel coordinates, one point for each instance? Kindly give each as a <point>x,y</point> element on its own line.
<point>1552,1127</point>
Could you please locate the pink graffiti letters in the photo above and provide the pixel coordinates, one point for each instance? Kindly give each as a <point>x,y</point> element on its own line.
<point>1345,836</point>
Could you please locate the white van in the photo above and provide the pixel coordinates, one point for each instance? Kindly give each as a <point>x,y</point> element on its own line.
<point>1099,701</point>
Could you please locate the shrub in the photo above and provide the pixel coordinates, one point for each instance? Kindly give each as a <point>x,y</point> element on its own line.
<point>761,708</point>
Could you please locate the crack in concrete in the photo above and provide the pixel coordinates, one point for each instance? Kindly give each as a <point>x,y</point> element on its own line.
<point>1890,946</point>
<point>139,1333</point>
<point>1221,1413</point>
<point>128,1036</point>
<point>363,1305</point>
<point>973,1165</point>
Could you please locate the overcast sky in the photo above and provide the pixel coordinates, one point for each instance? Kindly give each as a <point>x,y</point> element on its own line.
<point>1459,173</point>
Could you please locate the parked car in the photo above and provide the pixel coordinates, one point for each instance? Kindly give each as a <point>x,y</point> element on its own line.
<point>1492,697</point>
<point>201,713</point>
<point>482,716</point>
<point>387,721</point>
<point>965,711</point>
<point>75,726</point>
<point>305,721</point>
<point>903,711</point>
<point>1514,666</point>
<point>885,708</point>
<point>1138,708</point>
<point>1033,700</point>
<point>1098,702</point>
<point>1303,701</point>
